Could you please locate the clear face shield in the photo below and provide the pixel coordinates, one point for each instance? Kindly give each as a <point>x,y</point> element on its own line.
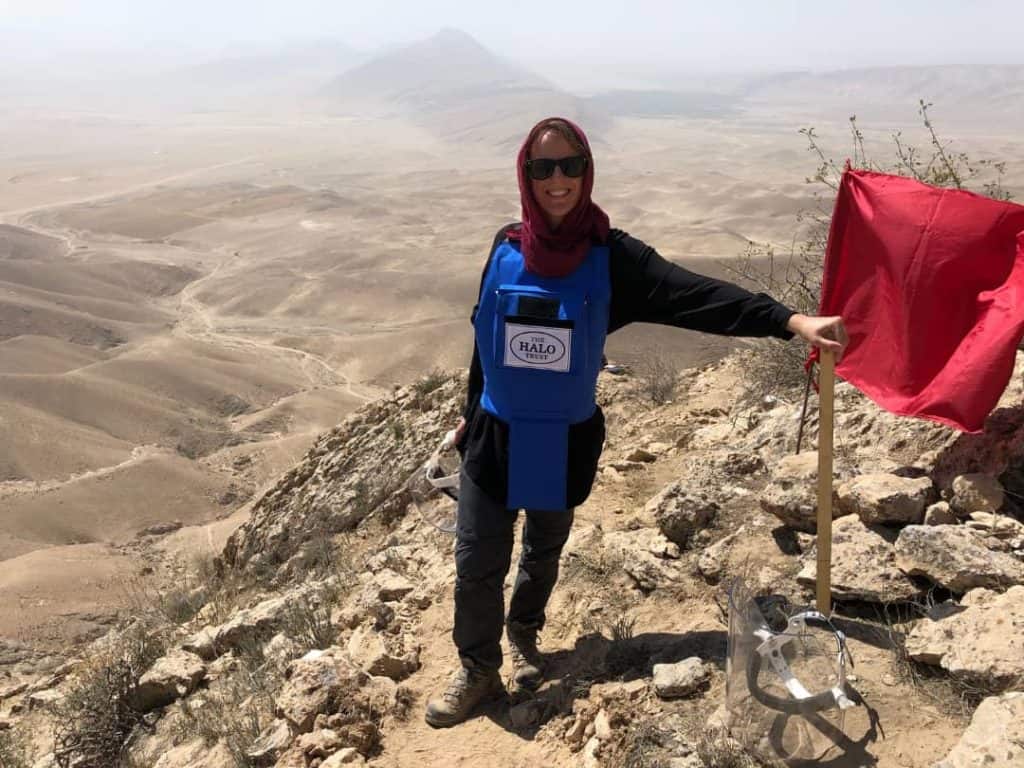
<point>434,486</point>
<point>787,694</point>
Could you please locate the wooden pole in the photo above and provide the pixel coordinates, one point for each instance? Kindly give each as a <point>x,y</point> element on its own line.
<point>826,391</point>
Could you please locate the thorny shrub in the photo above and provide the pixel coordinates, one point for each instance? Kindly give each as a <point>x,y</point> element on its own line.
<point>94,721</point>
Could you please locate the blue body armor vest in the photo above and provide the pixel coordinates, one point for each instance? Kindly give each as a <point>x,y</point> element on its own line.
<point>540,341</point>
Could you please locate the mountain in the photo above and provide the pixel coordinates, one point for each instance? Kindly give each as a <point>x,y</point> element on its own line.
<point>963,93</point>
<point>260,78</point>
<point>458,88</point>
<point>291,73</point>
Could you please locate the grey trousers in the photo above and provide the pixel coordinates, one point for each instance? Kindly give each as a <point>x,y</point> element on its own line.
<point>483,553</point>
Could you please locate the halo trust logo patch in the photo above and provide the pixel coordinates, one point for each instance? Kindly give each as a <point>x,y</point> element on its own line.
<point>534,347</point>
<point>537,347</point>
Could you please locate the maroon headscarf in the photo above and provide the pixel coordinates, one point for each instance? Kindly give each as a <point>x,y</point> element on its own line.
<point>556,254</point>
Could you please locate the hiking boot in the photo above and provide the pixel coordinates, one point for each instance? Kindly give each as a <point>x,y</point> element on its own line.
<point>527,661</point>
<point>469,687</point>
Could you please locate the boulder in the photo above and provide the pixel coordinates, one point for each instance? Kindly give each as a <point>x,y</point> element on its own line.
<point>976,493</point>
<point>955,558</point>
<point>995,737</point>
<point>980,641</point>
<point>792,492</point>
<point>672,681</point>
<point>881,498</point>
<point>863,565</point>
<point>679,514</point>
<point>172,677</point>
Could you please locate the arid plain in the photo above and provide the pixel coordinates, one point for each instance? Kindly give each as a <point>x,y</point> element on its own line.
<point>187,300</point>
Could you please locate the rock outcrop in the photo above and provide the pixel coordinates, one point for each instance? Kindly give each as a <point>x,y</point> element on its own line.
<point>954,557</point>
<point>981,640</point>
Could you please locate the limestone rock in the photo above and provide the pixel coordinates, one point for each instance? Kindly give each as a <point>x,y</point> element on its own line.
<point>346,756</point>
<point>955,558</point>
<point>526,714</point>
<point>679,513</point>
<point>995,737</point>
<point>172,677</point>
<point>976,493</point>
<point>271,743</point>
<point>591,750</point>
<point>312,684</point>
<point>741,464</point>
<point>320,743</point>
<point>714,559</point>
<point>863,565</point>
<point>196,754</point>
<point>1000,532</point>
<point>641,455</point>
<point>282,649</point>
<point>602,726</point>
<point>261,620</point>
<point>689,761</point>
<point>982,643</point>
<point>881,498</point>
<point>680,679</point>
<point>42,699</point>
<point>792,493</point>
<point>939,513</point>
<point>369,651</point>
<point>202,643</point>
<point>636,550</point>
<point>391,586</point>
<point>633,690</point>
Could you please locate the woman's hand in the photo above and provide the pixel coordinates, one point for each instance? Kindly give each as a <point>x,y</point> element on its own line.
<point>823,332</point>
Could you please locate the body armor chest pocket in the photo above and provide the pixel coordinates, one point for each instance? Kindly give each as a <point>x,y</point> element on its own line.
<point>539,330</point>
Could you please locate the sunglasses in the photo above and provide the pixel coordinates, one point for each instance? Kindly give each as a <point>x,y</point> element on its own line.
<point>544,167</point>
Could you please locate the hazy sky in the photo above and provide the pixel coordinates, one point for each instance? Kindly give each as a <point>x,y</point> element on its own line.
<point>715,34</point>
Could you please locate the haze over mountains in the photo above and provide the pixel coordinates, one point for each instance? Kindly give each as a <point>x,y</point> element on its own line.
<point>446,80</point>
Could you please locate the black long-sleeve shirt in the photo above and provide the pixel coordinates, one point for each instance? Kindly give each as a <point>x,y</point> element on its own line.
<point>646,288</point>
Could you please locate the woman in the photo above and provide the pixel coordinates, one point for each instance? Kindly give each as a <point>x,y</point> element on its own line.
<point>553,288</point>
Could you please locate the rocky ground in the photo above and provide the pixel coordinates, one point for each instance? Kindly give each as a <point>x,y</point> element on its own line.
<point>317,636</point>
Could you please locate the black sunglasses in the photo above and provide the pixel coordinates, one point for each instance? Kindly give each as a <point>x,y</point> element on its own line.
<point>543,167</point>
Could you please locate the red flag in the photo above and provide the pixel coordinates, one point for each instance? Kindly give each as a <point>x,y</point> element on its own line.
<point>930,284</point>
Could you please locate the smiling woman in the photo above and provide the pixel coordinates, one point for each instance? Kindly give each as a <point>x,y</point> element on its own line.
<point>555,285</point>
<point>557,161</point>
